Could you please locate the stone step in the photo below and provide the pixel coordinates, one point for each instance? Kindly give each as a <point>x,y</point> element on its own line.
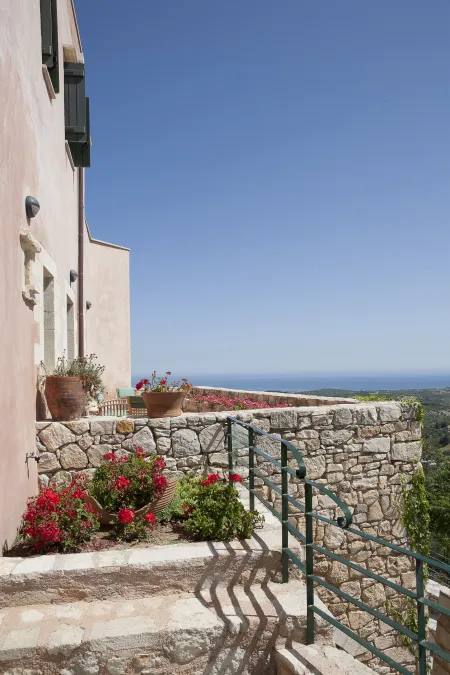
<point>135,572</point>
<point>219,631</point>
<point>317,659</point>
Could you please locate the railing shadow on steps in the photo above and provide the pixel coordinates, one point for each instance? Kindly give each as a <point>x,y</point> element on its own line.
<point>207,593</point>
<point>343,522</point>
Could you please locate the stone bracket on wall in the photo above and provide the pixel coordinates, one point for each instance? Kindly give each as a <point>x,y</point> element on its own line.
<point>30,247</point>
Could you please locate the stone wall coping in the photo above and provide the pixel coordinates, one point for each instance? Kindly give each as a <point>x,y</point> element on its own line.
<point>221,416</point>
<point>19,569</point>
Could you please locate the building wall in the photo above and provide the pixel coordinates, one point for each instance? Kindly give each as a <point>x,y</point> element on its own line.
<point>107,322</point>
<point>33,161</point>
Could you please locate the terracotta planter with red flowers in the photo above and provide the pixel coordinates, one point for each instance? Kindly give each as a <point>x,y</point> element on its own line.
<point>155,507</point>
<point>164,404</point>
<point>161,397</point>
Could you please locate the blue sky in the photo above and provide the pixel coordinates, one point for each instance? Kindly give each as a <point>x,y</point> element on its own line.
<point>281,173</point>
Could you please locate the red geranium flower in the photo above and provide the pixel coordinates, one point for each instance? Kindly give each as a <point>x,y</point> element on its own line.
<point>160,482</point>
<point>212,478</point>
<point>150,518</point>
<point>235,478</point>
<point>139,385</point>
<point>126,516</point>
<point>79,494</point>
<point>122,483</point>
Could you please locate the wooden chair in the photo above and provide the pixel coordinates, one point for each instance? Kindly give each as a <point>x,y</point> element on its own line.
<point>136,406</point>
<point>117,407</point>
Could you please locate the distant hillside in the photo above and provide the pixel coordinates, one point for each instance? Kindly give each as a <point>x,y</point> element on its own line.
<point>436,434</point>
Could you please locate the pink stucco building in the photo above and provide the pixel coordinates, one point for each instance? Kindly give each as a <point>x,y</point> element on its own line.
<point>45,308</point>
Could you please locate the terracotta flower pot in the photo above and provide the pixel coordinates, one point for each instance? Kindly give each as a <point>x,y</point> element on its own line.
<point>66,397</point>
<point>156,506</point>
<point>164,403</point>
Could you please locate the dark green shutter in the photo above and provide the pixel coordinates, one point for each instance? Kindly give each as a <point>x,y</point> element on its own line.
<point>49,39</point>
<point>75,102</point>
<point>81,152</point>
<point>47,33</point>
<point>76,106</point>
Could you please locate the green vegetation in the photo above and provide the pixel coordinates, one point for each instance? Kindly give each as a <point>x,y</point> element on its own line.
<point>434,413</point>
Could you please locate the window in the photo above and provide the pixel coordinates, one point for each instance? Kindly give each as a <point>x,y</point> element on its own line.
<point>70,330</point>
<point>76,111</point>
<point>49,37</point>
<point>49,321</point>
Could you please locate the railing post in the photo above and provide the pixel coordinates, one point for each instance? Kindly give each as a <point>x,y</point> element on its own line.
<point>309,565</point>
<point>251,466</point>
<point>284,516</point>
<point>421,619</point>
<point>229,446</point>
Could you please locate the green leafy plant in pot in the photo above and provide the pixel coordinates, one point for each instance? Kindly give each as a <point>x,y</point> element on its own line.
<point>71,384</point>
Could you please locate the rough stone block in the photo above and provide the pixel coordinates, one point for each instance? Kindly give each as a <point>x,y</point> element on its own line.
<point>185,442</point>
<point>315,466</point>
<point>78,427</point>
<point>390,412</point>
<point>144,439</point>
<point>125,426</point>
<point>48,462</point>
<point>72,457</point>
<point>212,438</point>
<point>336,437</point>
<point>407,451</point>
<point>96,452</point>
<point>56,435</point>
<point>283,419</point>
<point>343,417</point>
<point>218,459</point>
<point>103,427</point>
<point>377,445</point>
<point>85,442</point>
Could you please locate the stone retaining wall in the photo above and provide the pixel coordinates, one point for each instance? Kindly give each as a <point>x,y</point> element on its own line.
<point>358,450</point>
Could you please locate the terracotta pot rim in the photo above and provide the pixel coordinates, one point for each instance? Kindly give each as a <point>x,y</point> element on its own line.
<point>63,377</point>
<point>163,393</point>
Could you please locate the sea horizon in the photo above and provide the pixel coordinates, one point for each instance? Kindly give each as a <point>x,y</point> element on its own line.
<point>311,381</point>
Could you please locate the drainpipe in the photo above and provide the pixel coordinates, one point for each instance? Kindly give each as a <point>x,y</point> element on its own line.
<point>80,261</point>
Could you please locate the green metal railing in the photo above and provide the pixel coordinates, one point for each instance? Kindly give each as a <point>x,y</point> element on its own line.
<point>343,522</point>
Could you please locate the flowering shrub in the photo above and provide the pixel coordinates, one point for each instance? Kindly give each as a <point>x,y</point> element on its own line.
<point>128,527</point>
<point>162,384</point>
<point>58,519</point>
<point>209,508</point>
<point>217,512</point>
<point>125,484</point>
<point>213,401</point>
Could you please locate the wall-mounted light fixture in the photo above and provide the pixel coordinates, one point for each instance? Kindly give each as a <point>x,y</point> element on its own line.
<point>88,304</point>
<point>73,276</point>
<point>32,206</point>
